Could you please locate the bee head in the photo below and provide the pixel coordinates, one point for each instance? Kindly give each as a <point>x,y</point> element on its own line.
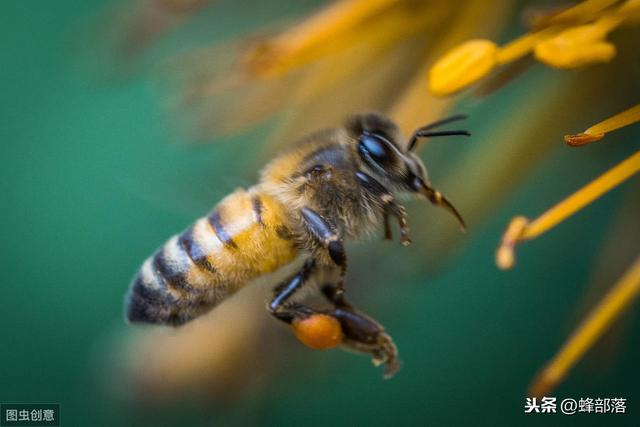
<point>384,153</point>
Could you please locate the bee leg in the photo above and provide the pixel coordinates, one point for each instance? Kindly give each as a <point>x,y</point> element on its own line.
<point>387,227</point>
<point>390,206</point>
<point>329,239</point>
<point>279,307</point>
<point>398,211</point>
<point>363,334</point>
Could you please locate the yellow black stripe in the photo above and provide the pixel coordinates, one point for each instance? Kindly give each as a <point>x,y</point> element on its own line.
<point>256,203</point>
<point>147,294</point>
<point>194,251</point>
<point>194,271</point>
<point>171,276</point>
<point>221,233</point>
<point>150,289</point>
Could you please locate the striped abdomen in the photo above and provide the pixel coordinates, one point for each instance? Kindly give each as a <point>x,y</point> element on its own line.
<point>240,240</point>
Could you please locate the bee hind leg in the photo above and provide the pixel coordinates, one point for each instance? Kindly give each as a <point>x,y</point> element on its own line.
<point>317,329</point>
<point>279,306</point>
<point>359,332</point>
<point>363,334</point>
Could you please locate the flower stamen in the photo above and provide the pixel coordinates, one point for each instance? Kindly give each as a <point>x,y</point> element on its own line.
<point>523,45</point>
<point>595,324</point>
<point>568,40</point>
<point>462,66</point>
<point>520,229</point>
<point>579,46</point>
<point>597,131</point>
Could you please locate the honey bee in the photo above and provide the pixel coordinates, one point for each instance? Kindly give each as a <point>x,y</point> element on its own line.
<point>333,185</point>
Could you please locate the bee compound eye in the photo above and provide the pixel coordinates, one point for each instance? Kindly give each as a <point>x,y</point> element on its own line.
<point>318,331</point>
<point>374,147</point>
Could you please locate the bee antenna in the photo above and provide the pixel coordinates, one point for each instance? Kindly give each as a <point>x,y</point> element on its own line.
<point>425,131</point>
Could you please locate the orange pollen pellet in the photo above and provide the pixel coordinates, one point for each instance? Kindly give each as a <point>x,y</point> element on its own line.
<point>318,331</point>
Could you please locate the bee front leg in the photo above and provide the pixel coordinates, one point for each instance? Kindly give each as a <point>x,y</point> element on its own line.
<point>384,197</point>
<point>330,240</point>
<point>363,334</point>
<point>398,211</point>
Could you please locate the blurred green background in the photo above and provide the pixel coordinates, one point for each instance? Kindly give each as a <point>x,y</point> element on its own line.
<point>95,175</point>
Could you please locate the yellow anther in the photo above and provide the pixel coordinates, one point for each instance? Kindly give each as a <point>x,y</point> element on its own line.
<point>462,66</point>
<point>579,46</point>
<point>597,131</point>
<point>505,256</point>
<point>580,139</point>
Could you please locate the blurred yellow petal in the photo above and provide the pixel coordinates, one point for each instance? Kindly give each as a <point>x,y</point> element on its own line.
<point>303,42</point>
<point>462,66</point>
<point>411,110</point>
<point>630,9</point>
